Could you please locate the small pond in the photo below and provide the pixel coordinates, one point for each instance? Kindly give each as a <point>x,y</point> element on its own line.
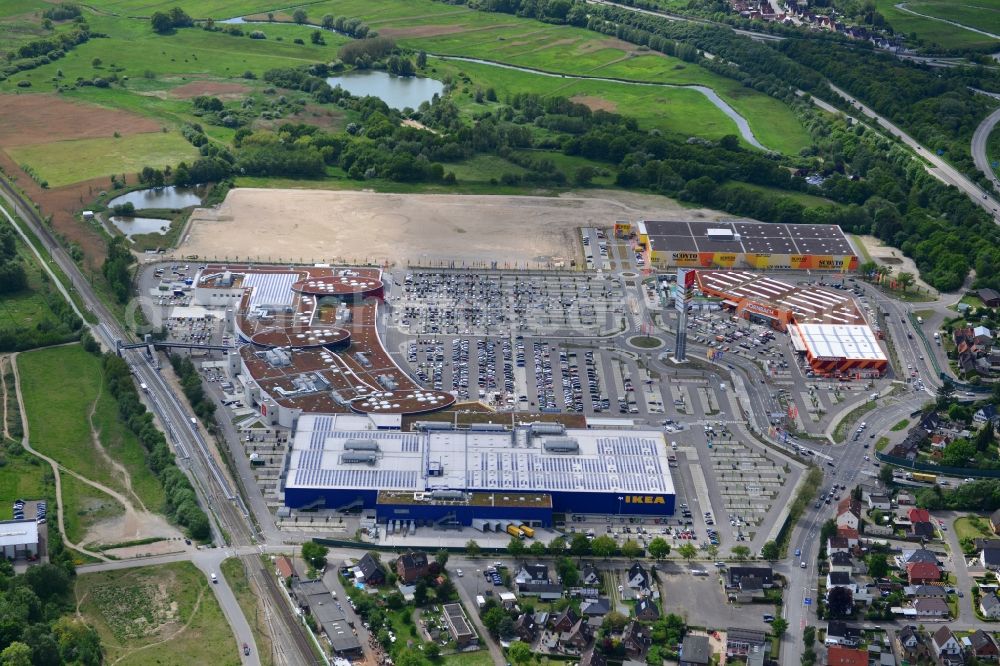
<point>132,226</point>
<point>398,92</point>
<point>162,197</point>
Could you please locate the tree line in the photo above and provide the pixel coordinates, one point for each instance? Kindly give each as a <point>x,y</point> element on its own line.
<point>181,502</point>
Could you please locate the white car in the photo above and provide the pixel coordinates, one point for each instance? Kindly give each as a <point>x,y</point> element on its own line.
<point>459,572</point>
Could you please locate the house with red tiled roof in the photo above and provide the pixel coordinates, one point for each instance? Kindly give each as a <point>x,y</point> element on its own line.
<point>837,655</point>
<point>283,567</point>
<point>918,515</point>
<point>850,534</point>
<point>849,513</point>
<point>923,573</point>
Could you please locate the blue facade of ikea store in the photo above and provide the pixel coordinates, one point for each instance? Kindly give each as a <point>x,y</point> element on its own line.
<point>606,503</point>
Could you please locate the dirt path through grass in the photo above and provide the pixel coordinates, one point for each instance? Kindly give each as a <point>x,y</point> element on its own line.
<point>117,467</point>
<point>26,443</point>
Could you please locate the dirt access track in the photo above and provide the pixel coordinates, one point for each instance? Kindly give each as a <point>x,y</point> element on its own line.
<point>412,229</point>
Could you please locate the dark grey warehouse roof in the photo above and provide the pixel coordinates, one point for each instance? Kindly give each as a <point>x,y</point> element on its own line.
<point>748,237</point>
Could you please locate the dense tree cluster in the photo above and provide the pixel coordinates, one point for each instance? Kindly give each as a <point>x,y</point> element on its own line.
<point>182,504</point>
<point>62,12</point>
<point>12,274</point>
<point>363,52</point>
<point>166,22</point>
<point>117,268</point>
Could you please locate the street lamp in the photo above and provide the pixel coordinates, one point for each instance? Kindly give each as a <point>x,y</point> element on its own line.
<point>620,498</point>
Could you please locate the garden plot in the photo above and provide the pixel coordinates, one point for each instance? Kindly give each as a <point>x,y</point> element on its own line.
<point>748,482</point>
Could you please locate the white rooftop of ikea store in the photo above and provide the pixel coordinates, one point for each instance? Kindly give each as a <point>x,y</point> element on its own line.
<point>632,461</point>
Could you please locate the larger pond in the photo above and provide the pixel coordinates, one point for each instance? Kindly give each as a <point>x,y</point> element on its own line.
<point>398,92</point>
<point>132,226</point>
<point>162,197</point>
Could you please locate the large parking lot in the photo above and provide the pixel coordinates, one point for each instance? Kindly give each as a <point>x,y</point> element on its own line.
<point>748,483</point>
<point>505,304</point>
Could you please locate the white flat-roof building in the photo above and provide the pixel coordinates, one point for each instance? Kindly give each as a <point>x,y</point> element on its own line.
<point>18,538</point>
<point>840,348</point>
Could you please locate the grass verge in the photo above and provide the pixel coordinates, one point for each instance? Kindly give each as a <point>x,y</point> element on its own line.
<point>236,575</point>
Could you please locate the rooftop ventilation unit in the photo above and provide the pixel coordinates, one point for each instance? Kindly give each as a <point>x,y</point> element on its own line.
<point>487,427</point>
<point>447,495</point>
<point>547,429</point>
<point>361,445</point>
<point>359,457</point>
<point>433,425</point>
<point>561,445</point>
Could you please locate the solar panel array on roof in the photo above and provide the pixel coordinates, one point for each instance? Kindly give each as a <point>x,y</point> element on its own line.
<point>747,237</point>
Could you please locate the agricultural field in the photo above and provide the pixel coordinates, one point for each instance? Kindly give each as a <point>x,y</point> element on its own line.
<point>979,14</point>
<point>163,615</point>
<point>103,157</point>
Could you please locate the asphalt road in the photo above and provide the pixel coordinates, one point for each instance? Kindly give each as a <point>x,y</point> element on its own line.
<point>940,168</point>
<point>979,138</point>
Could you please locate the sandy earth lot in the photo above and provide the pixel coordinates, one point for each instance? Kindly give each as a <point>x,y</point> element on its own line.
<point>882,254</point>
<point>412,229</point>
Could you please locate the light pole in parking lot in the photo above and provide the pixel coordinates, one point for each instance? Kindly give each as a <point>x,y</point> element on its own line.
<point>620,498</point>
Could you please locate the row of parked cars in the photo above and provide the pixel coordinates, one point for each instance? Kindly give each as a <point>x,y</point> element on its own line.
<point>42,508</point>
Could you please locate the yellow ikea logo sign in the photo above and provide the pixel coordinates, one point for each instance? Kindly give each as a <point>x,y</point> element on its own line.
<point>644,499</point>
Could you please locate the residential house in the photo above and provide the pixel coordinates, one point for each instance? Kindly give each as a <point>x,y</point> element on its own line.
<point>837,544</point>
<point>918,515</point>
<point>931,608</point>
<point>838,655</point>
<point>927,591</point>
<point>839,633</point>
<point>746,578</point>
<point>525,627</point>
<point>636,640</point>
<point>590,575</point>
<point>982,646</point>
<point>411,567</point>
<point>838,579</point>
<point>879,501</point>
<point>597,607</point>
<point>743,642</point>
<point>911,644</point>
<point>532,573</point>
<point>577,638</point>
<point>919,555</point>
<point>979,543</point>
<point>922,573</point>
<point>989,606</point>
<point>849,513</point>
<point>990,558</point>
<point>905,499</point>
<point>985,413</point>
<point>989,297</point>
<point>946,647</point>
<point>283,568</point>
<point>638,578</point>
<point>922,530</point>
<point>647,610</point>
<point>564,621</point>
<point>695,651</point>
<point>369,571</point>
<point>544,591</point>
<point>841,561</point>
<point>593,658</point>
<point>849,533</point>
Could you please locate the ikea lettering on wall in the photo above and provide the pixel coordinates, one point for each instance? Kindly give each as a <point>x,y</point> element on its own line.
<point>644,499</point>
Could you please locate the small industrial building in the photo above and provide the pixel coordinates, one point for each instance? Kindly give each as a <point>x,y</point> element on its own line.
<point>839,350</point>
<point>19,539</point>
<point>745,244</point>
<point>485,475</point>
<point>312,596</point>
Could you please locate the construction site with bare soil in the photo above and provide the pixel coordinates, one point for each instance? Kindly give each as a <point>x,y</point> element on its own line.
<point>309,226</point>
